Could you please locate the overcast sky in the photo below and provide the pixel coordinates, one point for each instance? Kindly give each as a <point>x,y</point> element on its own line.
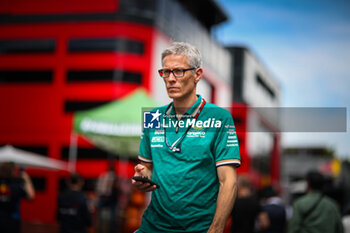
<point>305,44</point>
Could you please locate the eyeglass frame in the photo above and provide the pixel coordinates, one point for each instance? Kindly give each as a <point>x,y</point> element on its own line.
<point>172,71</point>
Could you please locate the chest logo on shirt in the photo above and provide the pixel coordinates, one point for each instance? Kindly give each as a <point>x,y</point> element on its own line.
<point>196,134</point>
<point>198,128</point>
<point>158,139</point>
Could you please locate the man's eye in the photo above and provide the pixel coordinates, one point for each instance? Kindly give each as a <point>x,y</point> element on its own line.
<point>177,71</point>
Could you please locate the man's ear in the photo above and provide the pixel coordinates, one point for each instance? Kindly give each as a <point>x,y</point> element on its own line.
<point>199,74</point>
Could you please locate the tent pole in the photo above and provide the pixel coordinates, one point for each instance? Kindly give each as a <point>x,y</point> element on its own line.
<point>73,152</point>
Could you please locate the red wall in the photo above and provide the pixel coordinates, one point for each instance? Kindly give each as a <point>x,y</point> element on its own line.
<point>23,7</point>
<point>33,114</point>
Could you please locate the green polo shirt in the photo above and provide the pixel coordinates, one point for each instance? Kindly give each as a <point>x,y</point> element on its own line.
<point>186,199</point>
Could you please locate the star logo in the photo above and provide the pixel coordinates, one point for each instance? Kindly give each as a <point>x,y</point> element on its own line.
<point>151,120</point>
<point>155,116</point>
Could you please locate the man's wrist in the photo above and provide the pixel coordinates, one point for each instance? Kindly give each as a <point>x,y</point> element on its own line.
<point>215,230</point>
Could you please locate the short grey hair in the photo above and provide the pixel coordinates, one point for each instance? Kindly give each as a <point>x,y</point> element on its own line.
<point>185,49</point>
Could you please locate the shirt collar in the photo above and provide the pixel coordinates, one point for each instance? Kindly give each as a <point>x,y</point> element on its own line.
<point>191,110</point>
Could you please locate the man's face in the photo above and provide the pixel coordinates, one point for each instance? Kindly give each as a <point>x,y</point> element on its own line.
<point>180,88</point>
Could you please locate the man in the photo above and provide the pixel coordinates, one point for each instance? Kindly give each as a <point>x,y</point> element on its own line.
<point>73,212</point>
<point>13,188</point>
<point>108,194</point>
<point>194,164</point>
<point>247,210</point>
<point>275,209</point>
<point>314,212</point>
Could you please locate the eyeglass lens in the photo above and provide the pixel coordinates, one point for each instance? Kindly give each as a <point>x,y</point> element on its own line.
<point>178,73</point>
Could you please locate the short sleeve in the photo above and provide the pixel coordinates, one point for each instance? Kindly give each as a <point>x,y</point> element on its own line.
<point>226,149</point>
<point>145,154</point>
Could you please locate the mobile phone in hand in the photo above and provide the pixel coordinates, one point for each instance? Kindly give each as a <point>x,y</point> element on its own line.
<point>145,179</point>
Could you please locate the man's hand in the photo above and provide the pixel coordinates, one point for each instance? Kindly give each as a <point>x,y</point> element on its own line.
<point>28,186</point>
<point>143,169</point>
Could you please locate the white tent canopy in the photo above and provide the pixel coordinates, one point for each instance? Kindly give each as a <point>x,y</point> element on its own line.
<point>27,159</point>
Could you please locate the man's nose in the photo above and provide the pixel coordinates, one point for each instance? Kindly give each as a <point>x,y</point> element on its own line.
<point>171,77</point>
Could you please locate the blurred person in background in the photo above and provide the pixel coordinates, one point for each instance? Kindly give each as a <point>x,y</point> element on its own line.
<point>314,212</point>
<point>13,188</point>
<point>346,219</point>
<point>247,210</point>
<point>196,176</point>
<point>272,204</point>
<point>73,212</point>
<point>108,197</point>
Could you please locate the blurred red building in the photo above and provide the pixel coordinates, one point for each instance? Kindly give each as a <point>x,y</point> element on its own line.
<point>256,99</point>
